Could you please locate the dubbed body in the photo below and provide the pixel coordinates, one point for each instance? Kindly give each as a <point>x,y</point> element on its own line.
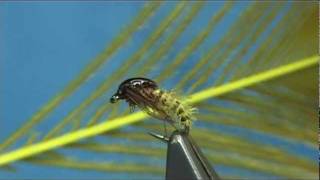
<point>145,94</point>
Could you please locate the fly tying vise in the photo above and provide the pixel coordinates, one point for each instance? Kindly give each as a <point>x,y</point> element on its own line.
<point>163,105</point>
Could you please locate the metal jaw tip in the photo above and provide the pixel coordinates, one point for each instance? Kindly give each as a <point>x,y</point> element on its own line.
<point>185,159</point>
<point>158,136</point>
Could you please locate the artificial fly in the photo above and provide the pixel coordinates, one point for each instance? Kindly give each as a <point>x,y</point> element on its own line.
<point>163,105</point>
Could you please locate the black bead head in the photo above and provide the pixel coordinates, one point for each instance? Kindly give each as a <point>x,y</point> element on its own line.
<point>133,83</point>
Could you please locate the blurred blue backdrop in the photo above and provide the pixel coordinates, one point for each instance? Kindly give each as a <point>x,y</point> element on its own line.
<point>44,45</point>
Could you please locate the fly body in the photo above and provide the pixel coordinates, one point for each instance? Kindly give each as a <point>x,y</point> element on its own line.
<point>164,105</point>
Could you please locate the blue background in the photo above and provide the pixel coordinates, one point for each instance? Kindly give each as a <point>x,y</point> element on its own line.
<point>44,45</point>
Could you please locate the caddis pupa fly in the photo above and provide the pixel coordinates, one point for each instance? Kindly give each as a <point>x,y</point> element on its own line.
<point>160,104</point>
